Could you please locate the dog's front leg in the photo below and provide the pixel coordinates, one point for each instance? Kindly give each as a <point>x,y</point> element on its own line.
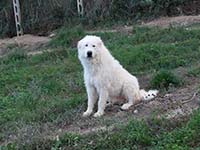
<point>92,98</point>
<point>103,97</point>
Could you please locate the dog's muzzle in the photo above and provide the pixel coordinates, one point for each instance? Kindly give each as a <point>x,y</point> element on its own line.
<point>89,54</point>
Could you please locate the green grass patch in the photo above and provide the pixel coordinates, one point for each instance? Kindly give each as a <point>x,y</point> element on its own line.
<point>154,48</point>
<point>40,88</point>
<point>168,35</point>
<point>67,37</point>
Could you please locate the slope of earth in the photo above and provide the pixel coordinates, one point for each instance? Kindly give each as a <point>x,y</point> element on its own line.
<point>42,97</point>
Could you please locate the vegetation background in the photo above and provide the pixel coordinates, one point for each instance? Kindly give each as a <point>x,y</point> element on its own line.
<point>40,17</point>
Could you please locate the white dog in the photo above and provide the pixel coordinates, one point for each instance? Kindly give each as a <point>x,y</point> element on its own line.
<point>105,79</point>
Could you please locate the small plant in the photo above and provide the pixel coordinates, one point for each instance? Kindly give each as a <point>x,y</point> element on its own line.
<point>164,79</point>
<point>70,139</point>
<point>10,146</point>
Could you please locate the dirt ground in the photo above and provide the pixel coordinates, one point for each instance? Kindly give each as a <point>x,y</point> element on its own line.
<point>162,22</point>
<point>174,21</point>
<point>27,41</point>
<point>178,102</point>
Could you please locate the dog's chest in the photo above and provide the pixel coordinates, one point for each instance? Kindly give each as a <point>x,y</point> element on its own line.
<point>95,81</point>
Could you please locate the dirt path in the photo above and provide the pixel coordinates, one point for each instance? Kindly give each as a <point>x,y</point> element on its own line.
<point>174,21</point>
<point>162,22</point>
<point>27,41</point>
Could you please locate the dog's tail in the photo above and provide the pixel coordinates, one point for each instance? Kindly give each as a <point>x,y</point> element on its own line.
<point>148,95</point>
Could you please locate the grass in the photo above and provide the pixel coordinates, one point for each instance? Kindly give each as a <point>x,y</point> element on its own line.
<point>134,135</point>
<point>194,71</point>
<point>41,94</point>
<point>67,36</point>
<point>39,89</point>
<point>154,47</point>
<point>138,134</point>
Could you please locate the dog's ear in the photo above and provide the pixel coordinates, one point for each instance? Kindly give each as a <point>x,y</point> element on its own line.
<point>99,43</point>
<point>79,45</point>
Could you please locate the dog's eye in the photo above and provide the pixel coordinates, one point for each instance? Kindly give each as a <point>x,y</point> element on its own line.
<point>86,45</point>
<point>93,46</point>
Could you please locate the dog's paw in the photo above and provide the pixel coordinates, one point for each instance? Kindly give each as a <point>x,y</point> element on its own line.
<point>126,106</point>
<point>87,113</point>
<point>98,114</point>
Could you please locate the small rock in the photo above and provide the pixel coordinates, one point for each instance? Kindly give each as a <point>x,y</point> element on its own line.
<point>158,117</point>
<point>175,113</point>
<point>57,138</point>
<point>60,130</point>
<point>52,35</point>
<point>168,95</point>
<point>135,111</point>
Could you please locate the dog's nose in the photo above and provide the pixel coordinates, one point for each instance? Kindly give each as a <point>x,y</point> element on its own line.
<point>89,54</point>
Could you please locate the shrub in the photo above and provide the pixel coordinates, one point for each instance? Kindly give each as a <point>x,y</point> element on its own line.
<point>164,79</point>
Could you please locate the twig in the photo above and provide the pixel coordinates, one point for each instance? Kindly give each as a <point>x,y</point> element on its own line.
<point>189,100</point>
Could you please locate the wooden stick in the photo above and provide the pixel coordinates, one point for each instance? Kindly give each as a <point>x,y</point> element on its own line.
<point>189,100</point>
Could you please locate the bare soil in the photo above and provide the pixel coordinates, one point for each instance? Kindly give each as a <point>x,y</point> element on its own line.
<point>174,21</point>
<point>27,41</point>
<point>163,22</point>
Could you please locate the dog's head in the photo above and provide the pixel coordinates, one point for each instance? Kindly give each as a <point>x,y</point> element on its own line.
<point>89,47</point>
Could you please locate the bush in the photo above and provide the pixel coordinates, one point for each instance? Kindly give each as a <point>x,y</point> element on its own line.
<point>164,79</point>
<point>37,16</point>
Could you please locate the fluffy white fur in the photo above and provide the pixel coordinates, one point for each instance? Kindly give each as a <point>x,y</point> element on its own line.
<point>105,79</point>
